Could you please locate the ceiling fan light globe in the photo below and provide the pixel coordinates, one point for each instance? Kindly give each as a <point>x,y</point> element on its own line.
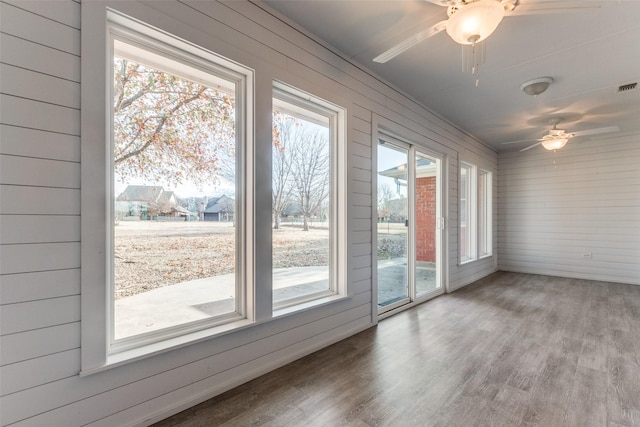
<point>554,143</point>
<point>475,21</point>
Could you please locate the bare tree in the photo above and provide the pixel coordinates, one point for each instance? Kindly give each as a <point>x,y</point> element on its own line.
<point>310,170</point>
<point>385,194</point>
<point>228,206</point>
<point>285,130</point>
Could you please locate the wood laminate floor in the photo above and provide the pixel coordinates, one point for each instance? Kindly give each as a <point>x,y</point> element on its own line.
<point>510,350</point>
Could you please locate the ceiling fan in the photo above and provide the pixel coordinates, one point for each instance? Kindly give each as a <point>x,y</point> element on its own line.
<point>471,21</point>
<point>556,138</point>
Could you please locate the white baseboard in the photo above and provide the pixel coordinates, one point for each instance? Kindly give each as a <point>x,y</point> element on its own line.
<point>470,280</point>
<point>573,275</point>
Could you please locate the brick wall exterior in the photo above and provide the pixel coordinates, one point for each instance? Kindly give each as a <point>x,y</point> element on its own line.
<point>426,219</point>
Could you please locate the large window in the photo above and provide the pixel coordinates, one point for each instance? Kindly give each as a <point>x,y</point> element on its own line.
<point>475,213</point>
<point>175,196</point>
<point>166,237</point>
<point>305,197</point>
<point>172,224</point>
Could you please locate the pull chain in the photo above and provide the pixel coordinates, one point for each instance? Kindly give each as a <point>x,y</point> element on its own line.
<point>472,56</point>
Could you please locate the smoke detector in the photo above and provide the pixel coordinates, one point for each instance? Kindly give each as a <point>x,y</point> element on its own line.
<point>536,86</point>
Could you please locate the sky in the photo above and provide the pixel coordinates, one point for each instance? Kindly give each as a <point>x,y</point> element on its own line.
<point>389,157</point>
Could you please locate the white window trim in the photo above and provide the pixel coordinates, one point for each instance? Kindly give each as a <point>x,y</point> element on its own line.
<point>472,212</point>
<point>96,58</point>
<point>473,224</point>
<point>488,219</point>
<point>305,103</point>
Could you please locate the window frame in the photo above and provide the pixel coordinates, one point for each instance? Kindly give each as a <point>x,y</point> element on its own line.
<point>485,219</point>
<point>471,213</point>
<point>479,228</point>
<point>336,116</point>
<point>149,46</point>
<point>99,350</point>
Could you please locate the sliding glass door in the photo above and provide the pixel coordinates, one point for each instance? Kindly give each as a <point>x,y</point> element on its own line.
<point>393,220</point>
<point>409,224</point>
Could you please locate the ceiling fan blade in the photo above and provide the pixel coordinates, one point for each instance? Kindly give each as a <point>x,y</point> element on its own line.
<point>596,131</point>
<point>555,6</point>
<point>439,2</point>
<point>410,42</point>
<point>531,146</point>
<point>520,140</point>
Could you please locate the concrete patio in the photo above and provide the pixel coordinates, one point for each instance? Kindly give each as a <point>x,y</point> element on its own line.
<point>199,299</point>
<point>202,298</point>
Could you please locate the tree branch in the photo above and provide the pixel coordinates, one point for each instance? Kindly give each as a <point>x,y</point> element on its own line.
<point>160,125</point>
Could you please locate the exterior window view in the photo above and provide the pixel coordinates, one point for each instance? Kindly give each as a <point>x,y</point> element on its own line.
<point>393,231</point>
<point>174,189</point>
<point>176,211</point>
<point>302,203</point>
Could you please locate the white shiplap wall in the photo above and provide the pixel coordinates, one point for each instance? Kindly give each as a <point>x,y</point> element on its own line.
<point>40,214</point>
<point>555,208</point>
<point>39,195</point>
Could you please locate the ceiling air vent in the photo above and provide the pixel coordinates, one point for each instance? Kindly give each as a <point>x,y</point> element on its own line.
<point>627,87</point>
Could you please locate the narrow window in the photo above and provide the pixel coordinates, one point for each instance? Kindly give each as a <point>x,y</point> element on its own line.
<point>484,214</point>
<point>305,189</point>
<point>475,213</point>
<point>467,217</point>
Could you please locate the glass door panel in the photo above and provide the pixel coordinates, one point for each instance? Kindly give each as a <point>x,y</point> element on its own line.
<point>393,221</point>
<point>427,218</point>
<point>409,224</point>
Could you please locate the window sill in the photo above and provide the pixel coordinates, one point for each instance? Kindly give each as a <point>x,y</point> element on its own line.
<point>471,261</point>
<point>308,305</point>
<point>149,350</point>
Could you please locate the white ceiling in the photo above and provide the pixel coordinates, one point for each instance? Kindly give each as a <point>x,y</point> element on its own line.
<point>588,53</point>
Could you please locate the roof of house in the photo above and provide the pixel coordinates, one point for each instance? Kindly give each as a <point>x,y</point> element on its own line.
<point>141,193</point>
<point>220,204</point>
<point>424,167</point>
<point>180,209</point>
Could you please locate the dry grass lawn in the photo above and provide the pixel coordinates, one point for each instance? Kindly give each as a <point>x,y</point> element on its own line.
<point>153,254</point>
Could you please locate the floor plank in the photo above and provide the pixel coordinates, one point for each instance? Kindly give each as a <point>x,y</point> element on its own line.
<point>509,350</point>
<point>588,401</point>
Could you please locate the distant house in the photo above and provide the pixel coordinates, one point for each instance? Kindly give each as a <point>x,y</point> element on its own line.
<point>219,209</point>
<point>294,212</point>
<point>149,202</point>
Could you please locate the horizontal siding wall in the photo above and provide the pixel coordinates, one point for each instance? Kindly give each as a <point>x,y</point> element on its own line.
<point>39,190</point>
<point>572,213</point>
<point>40,196</point>
<point>40,214</point>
